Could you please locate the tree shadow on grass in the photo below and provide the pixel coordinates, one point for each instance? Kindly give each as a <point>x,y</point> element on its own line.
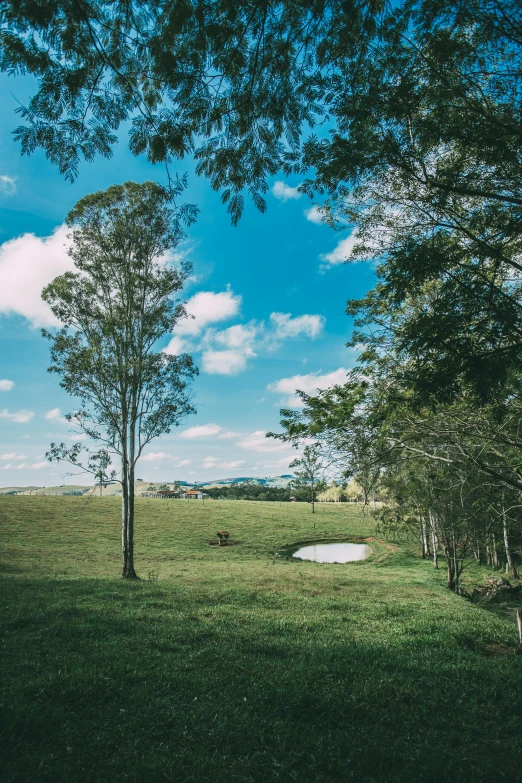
<point>105,680</point>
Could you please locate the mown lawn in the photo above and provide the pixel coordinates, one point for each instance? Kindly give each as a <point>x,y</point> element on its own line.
<point>231,664</point>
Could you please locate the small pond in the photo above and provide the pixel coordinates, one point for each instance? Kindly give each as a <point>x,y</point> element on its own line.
<point>333,553</point>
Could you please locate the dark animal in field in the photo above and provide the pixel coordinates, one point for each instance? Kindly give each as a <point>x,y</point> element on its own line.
<point>223,536</point>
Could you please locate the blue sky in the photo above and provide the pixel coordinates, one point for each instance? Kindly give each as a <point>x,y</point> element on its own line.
<point>268,296</point>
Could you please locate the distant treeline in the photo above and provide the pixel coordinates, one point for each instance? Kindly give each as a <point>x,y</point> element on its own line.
<point>251,491</point>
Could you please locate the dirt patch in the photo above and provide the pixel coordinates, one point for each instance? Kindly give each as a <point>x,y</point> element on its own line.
<point>391,547</point>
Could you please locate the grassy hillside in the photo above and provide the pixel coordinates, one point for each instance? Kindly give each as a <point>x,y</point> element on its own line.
<point>231,664</point>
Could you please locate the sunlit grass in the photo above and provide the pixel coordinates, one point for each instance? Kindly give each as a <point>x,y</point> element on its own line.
<point>231,664</point>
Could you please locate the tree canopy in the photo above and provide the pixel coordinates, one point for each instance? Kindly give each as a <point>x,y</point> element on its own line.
<point>404,116</point>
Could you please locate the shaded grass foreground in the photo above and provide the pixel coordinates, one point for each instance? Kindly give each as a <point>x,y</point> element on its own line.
<point>235,665</point>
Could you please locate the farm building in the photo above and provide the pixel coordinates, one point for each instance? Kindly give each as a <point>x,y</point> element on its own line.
<point>195,494</point>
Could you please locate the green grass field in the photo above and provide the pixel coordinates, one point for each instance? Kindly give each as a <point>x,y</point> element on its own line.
<point>231,664</point>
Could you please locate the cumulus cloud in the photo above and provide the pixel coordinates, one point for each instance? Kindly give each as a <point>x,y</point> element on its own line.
<point>6,385</point>
<point>208,307</point>
<point>7,185</point>
<point>154,456</point>
<point>202,431</point>
<point>230,349</point>
<point>204,308</point>
<point>26,466</point>
<point>181,463</point>
<point>28,264</point>
<point>308,383</point>
<point>224,362</point>
<point>314,215</point>
<point>54,415</point>
<point>13,455</point>
<point>175,347</point>
<point>257,441</point>
<point>284,192</point>
<point>285,326</point>
<point>215,462</point>
<point>19,417</point>
<point>341,251</point>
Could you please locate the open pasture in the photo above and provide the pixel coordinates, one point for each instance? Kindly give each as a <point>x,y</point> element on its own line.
<point>231,664</point>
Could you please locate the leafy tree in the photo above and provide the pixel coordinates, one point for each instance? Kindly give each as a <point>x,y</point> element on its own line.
<point>420,99</point>
<point>308,478</point>
<point>114,310</point>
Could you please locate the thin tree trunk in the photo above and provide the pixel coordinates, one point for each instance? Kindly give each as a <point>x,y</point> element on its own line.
<point>495,553</point>
<point>449,563</point>
<point>130,572</point>
<point>509,556</point>
<point>124,511</point>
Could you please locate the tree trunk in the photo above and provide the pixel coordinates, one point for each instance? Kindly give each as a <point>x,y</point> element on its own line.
<point>451,577</point>
<point>509,556</point>
<point>455,565</point>
<point>434,541</point>
<point>494,551</point>
<point>127,519</point>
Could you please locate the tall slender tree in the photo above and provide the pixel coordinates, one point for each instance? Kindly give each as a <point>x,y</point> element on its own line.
<point>114,310</point>
<point>309,475</point>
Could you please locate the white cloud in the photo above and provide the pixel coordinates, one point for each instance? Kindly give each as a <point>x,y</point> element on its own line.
<point>175,347</point>
<point>54,415</point>
<point>27,264</point>
<point>204,308</point>
<point>26,466</point>
<point>314,215</point>
<point>224,362</point>
<point>214,462</point>
<point>153,456</point>
<point>237,336</point>
<point>285,326</point>
<point>257,441</point>
<point>207,307</point>
<point>238,341</point>
<point>342,250</point>
<point>232,465</point>
<point>181,463</point>
<point>284,192</point>
<point>201,431</point>
<point>6,385</point>
<point>7,185</point>
<point>13,455</point>
<point>20,417</point>
<point>307,383</point>
<point>227,434</point>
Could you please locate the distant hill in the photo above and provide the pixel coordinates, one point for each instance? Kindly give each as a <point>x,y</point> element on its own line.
<point>140,487</point>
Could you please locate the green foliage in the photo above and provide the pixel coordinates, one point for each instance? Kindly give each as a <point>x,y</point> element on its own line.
<point>249,490</point>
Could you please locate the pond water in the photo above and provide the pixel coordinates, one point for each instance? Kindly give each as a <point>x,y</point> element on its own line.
<point>334,553</point>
